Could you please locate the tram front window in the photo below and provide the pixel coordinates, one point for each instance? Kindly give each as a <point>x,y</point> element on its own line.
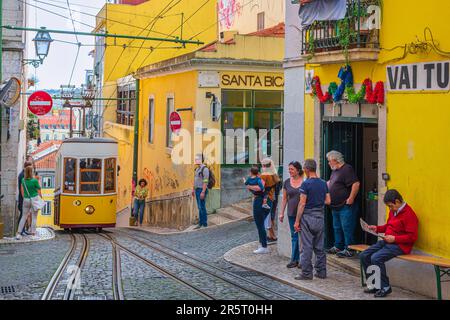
<point>90,175</point>
<point>70,178</point>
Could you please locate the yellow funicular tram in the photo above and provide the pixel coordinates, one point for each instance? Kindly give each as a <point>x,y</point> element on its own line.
<point>86,183</point>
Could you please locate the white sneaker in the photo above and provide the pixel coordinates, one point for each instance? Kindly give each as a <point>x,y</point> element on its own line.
<point>261,250</point>
<point>18,237</point>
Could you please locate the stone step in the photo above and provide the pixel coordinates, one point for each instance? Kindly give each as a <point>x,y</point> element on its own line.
<point>350,265</point>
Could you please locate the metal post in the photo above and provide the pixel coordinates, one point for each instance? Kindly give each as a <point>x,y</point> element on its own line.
<point>437,270</point>
<point>136,135</point>
<point>70,123</point>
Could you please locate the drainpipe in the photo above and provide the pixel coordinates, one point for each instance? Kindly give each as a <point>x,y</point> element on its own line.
<point>136,136</point>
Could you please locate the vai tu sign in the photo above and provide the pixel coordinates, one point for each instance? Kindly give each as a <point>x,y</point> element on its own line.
<point>40,103</point>
<point>251,80</point>
<point>175,122</point>
<point>427,76</point>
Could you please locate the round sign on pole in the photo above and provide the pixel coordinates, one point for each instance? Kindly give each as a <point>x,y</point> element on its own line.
<point>40,103</point>
<point>175,122</point>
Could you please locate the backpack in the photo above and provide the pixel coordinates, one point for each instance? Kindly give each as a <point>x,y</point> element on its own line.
<point>211,179</point>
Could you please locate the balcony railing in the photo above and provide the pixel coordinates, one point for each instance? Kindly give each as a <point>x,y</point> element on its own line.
<point>354,31</point>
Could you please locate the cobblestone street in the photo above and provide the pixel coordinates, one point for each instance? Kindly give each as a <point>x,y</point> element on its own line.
<point>131,264</point>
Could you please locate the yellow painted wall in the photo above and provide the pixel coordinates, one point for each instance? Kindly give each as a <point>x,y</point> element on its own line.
<point>417,123</point>
<point>241,15</point>
<point>47,220</point>
<point>155,162</point>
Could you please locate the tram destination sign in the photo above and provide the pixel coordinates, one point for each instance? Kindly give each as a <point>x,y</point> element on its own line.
<point>426,76</point>
<point>40,103</point>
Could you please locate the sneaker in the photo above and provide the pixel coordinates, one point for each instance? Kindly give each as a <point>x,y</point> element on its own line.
<point>266,206</point>
<point>292,264</point>
<point>198,227</point>
<point>18,237</point>
<point>370,291</point>
<point>271,240</point>
<point>303,277</point>
<point>382,293</point>
<point>320,276</point>
<point>333,250</point>
<point>261,250</point>
<point>344,254</point>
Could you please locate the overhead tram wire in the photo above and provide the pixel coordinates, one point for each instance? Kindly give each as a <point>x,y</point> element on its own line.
<point>95,16</point>
<point>73,24</point>
<point>111,10</point>
<point>184,22</point>
<point>166,9</point>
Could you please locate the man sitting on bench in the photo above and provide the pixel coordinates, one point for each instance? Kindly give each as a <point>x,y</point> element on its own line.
<point>400,234</point>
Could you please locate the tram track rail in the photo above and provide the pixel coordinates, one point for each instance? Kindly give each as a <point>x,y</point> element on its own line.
<point>203,266</point>
<point>70,290</point>
<point>158,268</point>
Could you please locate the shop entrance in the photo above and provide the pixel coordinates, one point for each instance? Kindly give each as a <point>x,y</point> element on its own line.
<point>358,142</point>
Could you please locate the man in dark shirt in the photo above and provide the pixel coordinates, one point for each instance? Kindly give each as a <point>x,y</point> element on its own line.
<point>310,221</point>
<point>344,187</point>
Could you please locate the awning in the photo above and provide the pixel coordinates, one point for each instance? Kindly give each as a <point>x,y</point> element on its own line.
<point>321,10</point>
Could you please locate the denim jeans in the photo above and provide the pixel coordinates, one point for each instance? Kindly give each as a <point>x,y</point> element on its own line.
<point>138,207</point>
<point>344,221</point>
<point>201,204</point>
<point>377,255</point>
<point>295,255</point>
<point>259,215</point>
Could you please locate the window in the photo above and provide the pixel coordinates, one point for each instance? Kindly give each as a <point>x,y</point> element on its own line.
<point>47,209</point>
<point>260,21</point>
<point>110,175</point>
<point>258,110</point>
<point>63,136</point>
<point>169,110</point>
<point>70,175</point>
<point>90,175</point>
<point>126,108</point>
<point>47,182</point>
<point>47,137</point>
<point>151,119</point>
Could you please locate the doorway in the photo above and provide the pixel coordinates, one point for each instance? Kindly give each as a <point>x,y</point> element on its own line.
<point>358,142</point>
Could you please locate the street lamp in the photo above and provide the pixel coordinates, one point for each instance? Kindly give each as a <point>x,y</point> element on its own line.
<point>42,42</point>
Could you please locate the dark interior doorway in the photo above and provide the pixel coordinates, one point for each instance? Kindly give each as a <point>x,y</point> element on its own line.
<point>358,142</point>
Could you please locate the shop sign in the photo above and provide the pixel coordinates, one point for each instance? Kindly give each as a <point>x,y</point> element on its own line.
<point>426,76</point>
<point>252,80</point>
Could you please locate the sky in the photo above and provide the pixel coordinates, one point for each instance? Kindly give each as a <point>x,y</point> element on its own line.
<point>57,67</point>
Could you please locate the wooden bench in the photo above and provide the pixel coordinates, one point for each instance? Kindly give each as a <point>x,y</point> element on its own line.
<point>441,265</point>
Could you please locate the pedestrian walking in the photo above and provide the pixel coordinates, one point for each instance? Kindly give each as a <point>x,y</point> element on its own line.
<point>310,222</point>
<point>20,197</point>
<point>200,190</point>
<point>271,180</point>
<point>400,232</point>
<point>140,194</point>
<point>291,198</point>
<point>344,187</point>
<point>30,190</point>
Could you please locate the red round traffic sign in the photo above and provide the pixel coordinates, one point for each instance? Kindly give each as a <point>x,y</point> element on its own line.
<point>175,121</point>
<point>40,103</point>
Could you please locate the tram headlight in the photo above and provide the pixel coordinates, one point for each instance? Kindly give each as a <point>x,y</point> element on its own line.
<point>89,209</point>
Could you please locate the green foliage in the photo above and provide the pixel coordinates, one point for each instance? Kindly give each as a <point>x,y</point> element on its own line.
<point>345,35</point>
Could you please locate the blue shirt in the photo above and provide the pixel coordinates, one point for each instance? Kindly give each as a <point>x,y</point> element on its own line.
<point>315,190</point>
<point>255,181</point>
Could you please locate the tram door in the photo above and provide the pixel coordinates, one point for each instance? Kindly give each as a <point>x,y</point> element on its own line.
<point>358,142</point>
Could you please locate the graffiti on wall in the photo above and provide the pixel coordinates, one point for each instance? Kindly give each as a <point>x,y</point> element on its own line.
<point>159,181</point>
<point>228,9</point>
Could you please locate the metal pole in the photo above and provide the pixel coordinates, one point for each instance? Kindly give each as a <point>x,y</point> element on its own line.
<point>136,135</point>
<point>1,107</point>
<point>70,123</point>
<point>106,35</point>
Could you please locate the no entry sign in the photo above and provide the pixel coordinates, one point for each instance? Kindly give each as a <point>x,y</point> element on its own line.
<point>40,103</point>
<point>175,122</point>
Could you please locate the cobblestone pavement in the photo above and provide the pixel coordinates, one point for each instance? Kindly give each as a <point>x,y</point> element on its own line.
<point>28,267</point>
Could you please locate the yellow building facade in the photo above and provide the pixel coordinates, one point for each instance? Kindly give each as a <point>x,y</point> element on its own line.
<point>117,59</point>
<point>399,142</point>
<point>249,66</point>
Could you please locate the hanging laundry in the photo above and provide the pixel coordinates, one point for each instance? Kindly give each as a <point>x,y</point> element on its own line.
<point>321,10</point>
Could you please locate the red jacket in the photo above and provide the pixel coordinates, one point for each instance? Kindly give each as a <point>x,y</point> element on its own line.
<point>403,227</point>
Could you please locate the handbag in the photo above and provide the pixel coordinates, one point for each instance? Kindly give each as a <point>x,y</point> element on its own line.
<point>36,202</point>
